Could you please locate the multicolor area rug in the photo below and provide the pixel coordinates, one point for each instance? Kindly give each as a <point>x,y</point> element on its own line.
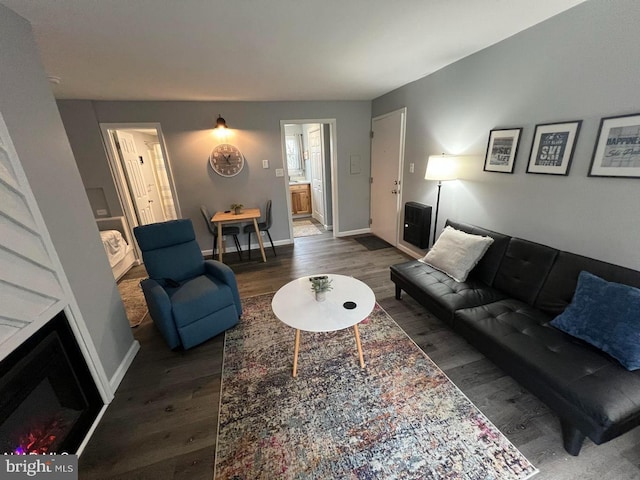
<point>133,299</point>
<point>399,418</point>
<point>305,228</point>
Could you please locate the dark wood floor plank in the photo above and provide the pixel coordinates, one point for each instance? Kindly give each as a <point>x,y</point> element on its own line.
<point>162,423</point>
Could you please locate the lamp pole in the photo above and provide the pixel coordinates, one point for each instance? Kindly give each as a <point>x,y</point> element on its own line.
<point>435,222</point>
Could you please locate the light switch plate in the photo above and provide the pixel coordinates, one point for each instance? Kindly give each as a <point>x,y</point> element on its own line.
<point>354,165</point>
<point>265,163</point>
<point>412,167</point>
<point>279,172</point>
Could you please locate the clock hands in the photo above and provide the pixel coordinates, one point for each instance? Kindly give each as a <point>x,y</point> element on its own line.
<point>226,160</point>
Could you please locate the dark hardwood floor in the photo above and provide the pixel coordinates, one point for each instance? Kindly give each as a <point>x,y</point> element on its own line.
<point>162,423</point>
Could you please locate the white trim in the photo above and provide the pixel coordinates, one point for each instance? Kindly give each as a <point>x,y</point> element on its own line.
<point>353,232</point>
<point>124,365</point>
<point>410,252</point>
<point>254,246</point>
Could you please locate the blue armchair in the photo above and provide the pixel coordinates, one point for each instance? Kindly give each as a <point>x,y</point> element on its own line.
<point>190,299</point>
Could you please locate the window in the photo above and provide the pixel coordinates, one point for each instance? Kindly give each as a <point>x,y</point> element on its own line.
<point>294,157</point>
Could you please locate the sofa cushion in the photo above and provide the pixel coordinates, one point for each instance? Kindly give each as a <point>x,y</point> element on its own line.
<point>438,292</point>
<point>581,383</point>
<point>606,315</point>
<point>456,252</point>
<point>557,291</point>
<point>488,265</point>
<point>524,269</point>
<point>197,298</point>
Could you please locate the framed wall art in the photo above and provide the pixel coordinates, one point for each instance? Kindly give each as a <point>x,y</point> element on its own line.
<point>617,149</point>
<point>552,147</point>
<point>502,150</point>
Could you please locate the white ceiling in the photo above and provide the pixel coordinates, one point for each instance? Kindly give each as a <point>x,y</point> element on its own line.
<point>263,49</point>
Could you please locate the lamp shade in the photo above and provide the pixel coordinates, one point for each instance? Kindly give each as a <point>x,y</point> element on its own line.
<point>441,167</point>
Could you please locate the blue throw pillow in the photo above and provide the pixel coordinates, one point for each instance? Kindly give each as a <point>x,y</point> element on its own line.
<point>606,315</point>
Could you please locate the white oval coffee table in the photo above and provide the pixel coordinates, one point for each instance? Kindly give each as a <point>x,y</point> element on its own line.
<point>295,305</point>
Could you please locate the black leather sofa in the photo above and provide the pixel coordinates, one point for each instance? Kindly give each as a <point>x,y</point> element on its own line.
<point>504,309</point>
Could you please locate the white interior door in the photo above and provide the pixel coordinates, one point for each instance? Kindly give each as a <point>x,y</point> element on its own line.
<point>135,177</point>
<point>317,174</point>
<point>387,152</point>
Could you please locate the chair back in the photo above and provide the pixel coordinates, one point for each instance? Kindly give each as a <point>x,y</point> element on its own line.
<point>207,218</point>
<point>169,250</point>
<point>268,220</point>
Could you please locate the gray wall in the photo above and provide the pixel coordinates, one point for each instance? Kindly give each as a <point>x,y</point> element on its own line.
<point>580,65</point>
<point>33,121</point>
<point>254,128</point>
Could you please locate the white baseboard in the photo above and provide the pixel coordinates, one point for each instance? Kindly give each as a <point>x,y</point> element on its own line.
<point>410,252</point>
<point>114,383</point>
<point>254,246</point>
<point>353,232</point>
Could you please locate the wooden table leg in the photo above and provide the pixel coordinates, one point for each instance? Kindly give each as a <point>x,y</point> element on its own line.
<point>357,332</point>
<point>220,241</point>
<point>264,257</point>
<point>296,349</point>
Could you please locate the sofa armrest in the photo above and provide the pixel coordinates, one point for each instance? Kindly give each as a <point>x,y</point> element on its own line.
<point>160,310</point>
<point>223,273</point>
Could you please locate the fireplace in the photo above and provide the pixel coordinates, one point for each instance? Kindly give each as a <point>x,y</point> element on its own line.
<point>48,398</point>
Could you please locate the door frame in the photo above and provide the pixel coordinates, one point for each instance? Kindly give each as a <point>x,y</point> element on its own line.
<point>334,169</point>
<point>120,179</point>
<point>399,197</point>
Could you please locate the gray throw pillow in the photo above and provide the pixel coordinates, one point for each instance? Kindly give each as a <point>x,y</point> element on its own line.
<point>456,253</point>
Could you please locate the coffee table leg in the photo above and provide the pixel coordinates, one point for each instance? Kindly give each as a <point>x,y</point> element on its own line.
<point>357,332</point>
<point>295,353</point>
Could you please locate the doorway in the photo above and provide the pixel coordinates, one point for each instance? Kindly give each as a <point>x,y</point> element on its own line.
<point>141,173</point>
<point>309,165</point>
<point>387,159</point>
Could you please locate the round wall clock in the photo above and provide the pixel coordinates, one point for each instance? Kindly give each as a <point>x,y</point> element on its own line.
<point>226,160</point>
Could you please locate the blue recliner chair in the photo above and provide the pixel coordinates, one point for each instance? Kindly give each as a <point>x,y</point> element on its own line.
<point>190,299</point>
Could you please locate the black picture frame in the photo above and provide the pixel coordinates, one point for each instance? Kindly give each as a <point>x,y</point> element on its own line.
<point>617,149</point>
<point>502,150</point>
<point>552,147</point>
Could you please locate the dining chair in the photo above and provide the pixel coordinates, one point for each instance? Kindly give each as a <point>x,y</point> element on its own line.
<point>262,227</point>
<point>226,230</point>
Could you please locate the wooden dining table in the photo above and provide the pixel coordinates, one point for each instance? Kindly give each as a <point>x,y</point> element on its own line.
<point>221,218</point>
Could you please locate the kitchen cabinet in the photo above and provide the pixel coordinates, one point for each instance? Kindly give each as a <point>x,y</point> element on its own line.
<point>300,198</point>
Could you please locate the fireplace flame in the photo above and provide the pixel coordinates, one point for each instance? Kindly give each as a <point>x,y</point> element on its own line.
<point>39,440</point>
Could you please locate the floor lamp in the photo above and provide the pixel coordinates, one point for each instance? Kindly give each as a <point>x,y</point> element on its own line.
<point>440,168</point>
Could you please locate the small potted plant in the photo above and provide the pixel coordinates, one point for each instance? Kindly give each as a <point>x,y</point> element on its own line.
<point>320,285</point>
<point>237,208</point>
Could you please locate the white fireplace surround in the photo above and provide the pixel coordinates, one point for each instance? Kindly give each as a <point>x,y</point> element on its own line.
<point>33,285</point>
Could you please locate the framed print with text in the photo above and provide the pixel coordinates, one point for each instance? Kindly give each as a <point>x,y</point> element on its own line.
<point>502,150</point>
<point>552,148</point>
<point>617,149</point>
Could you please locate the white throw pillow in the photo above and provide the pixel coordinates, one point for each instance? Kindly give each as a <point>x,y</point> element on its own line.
<point>456,253</point>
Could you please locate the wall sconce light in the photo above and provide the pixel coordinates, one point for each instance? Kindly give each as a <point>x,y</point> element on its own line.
<point>440,168</point>
<point>221,122</point>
